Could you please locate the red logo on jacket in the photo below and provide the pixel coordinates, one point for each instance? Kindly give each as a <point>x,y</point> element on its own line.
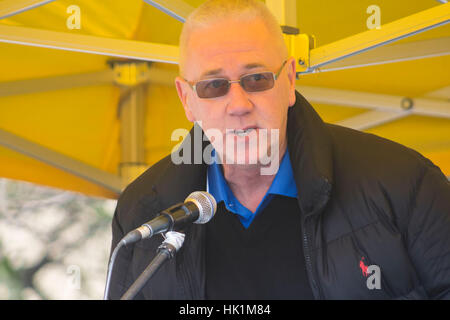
<point>363,267</point>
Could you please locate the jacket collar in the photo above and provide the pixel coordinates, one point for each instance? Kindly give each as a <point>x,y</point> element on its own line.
<point>310,152</point>
<point>310,149</point>
<point>177,181</point>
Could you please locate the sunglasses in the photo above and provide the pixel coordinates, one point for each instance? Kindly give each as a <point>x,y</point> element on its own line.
<point>218,87</point>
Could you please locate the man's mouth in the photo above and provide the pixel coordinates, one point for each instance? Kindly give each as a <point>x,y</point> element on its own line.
<point>243,133</point>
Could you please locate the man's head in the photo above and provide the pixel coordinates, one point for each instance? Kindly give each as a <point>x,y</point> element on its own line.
<point>229,39</point>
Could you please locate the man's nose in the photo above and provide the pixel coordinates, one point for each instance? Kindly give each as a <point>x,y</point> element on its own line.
<point>238,101</point>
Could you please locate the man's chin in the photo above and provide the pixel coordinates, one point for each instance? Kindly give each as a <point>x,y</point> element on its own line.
<point>248,157</point>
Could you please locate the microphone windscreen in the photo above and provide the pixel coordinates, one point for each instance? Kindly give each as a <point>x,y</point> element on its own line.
<point>206,204</point>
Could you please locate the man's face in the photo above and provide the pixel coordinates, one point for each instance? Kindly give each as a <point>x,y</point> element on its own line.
<point>231,49</point>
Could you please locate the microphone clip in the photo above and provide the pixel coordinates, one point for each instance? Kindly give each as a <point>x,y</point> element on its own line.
<point>172,243</point>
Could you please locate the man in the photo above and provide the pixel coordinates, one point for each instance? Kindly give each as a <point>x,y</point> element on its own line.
<point>344,215</point>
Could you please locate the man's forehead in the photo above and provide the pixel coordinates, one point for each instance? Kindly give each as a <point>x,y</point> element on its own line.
<point>246,67</point>
<point>232,57</point>
<point>236,48</point>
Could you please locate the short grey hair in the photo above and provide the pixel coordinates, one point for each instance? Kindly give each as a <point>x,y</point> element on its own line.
<point>213,11</point>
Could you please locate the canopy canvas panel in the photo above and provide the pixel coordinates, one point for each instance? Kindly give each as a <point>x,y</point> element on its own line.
<point>87,95</point>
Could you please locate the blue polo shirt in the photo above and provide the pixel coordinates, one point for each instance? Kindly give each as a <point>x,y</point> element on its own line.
<point>283,184</point>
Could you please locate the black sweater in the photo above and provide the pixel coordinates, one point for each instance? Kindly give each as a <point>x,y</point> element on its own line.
<point>265,261</point>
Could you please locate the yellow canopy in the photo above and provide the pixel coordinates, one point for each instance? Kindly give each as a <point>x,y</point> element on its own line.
<point>63,90</point>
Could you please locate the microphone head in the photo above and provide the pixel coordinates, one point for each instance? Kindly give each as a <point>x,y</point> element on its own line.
<point>206,204</point>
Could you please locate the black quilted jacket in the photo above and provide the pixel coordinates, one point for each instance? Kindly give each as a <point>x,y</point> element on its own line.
<point>365,201</point>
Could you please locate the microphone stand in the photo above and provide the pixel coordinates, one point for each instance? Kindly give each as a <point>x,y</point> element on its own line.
<point>172,243</point>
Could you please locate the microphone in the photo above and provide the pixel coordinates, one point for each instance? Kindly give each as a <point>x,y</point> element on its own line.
<point>199,207</point>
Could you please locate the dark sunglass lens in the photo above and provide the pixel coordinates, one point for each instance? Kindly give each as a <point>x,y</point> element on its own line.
<point>212,88</point>
<point>258,82</point>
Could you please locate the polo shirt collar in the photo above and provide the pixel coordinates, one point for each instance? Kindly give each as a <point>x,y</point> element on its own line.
<point>283,184</point>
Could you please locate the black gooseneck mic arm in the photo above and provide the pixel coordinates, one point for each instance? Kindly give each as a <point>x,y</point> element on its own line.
<point>174,241</point>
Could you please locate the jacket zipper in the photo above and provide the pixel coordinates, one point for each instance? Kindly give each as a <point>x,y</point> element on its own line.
<point>309,269</point>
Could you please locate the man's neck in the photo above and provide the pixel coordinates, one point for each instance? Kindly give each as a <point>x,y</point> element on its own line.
<point>248,184</point>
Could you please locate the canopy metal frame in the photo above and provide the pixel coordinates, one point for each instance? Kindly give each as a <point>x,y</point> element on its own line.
<point>11,7</point>
<point>61,161</point>
<point>175,8</point>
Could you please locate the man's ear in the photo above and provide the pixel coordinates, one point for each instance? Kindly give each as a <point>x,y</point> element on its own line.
<point>292,74</point>
<point>182,90</point>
